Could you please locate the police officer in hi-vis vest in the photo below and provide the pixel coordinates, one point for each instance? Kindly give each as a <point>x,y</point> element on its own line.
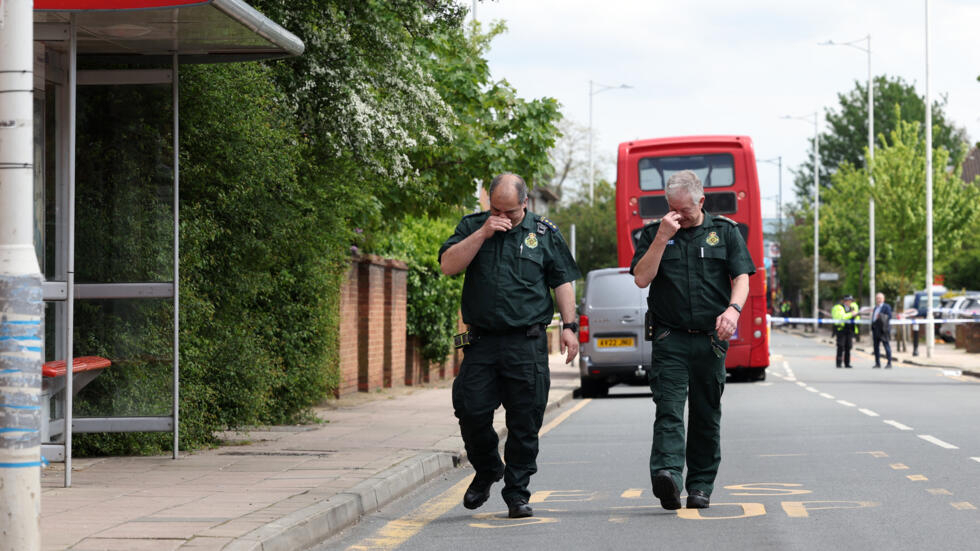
<point>843,313</point>
<point>698,267</point>
<point>513,258</point>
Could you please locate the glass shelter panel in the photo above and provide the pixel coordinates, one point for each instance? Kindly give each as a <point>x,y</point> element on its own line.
<point>124,184</point>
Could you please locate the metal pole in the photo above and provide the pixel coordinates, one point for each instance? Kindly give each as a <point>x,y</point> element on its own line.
<point>176,392</point>
<point>816,223</point>
<point>574,255</point>
<point>930,333</point>
<point>779,205</point>
<point>21,304</point>
<point>871,181</point>
<point>591,176</point>
<point>70,225</point>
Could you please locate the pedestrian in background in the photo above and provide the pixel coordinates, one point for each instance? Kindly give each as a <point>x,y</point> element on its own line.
<point>698,267</point>
<point>880,329</point>
<point>843,314</point>
<point>513,258</point>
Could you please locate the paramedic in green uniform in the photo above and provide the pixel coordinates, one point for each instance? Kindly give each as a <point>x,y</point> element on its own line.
<point>699,268</point>
<point>513,258</point>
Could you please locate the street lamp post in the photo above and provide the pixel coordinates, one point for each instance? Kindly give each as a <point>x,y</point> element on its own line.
<point>816,214</point>
<point>592,92</point>
<point>930,332</point>
<point>871,155</point>
<point>779,202</point>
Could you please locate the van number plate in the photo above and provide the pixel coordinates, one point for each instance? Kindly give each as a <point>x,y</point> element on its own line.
<point>613,343</point>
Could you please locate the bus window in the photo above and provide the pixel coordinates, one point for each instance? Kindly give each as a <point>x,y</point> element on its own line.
<point>714,170</point>
<point>655,206</point>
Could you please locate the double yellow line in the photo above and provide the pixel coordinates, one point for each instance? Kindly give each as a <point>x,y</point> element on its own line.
<point>400,530</point>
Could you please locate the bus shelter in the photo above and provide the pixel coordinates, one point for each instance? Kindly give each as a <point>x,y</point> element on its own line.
<point>86,45</point>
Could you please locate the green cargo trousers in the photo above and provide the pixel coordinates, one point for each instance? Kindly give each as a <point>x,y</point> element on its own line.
<point>511,370</point>
<point>687,367</point>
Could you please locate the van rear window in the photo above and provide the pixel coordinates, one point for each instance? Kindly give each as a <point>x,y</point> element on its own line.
<point>714,170</point>
<point>615,291</point>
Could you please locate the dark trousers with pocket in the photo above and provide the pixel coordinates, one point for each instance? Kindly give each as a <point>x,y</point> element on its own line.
<point>844,337</point>
<point>687,369</point>
<point>509,370</point>
<point>880,338</point>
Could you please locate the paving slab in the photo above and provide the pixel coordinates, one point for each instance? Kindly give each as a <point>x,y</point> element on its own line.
<point>269,488</point>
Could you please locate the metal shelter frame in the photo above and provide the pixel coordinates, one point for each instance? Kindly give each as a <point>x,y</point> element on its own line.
<point>177,23</point>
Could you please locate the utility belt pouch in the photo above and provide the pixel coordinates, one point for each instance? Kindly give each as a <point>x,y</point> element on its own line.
<point>461,340</point>
<point>648,326</point>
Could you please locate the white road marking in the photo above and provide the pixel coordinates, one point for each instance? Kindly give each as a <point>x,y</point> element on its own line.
<point>845,403</point>
<point>828,396</point>
<point>938,442</point>
<point>868,412</point>
<point>977,459</point>
<point>811,389</point>
<point>897,425</point>
<point>763,384</point>
<point>791,378</point>
<point>952,372</point>
<point>800,383</point>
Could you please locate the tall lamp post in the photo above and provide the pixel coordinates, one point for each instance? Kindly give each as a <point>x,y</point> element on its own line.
<point>930,331</point>
<point>778,161</point>
<point>816,214</point>
<point>596,88</point>
<point>871,153</point>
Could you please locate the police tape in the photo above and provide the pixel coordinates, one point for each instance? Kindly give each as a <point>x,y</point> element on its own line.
<point>830,321</point>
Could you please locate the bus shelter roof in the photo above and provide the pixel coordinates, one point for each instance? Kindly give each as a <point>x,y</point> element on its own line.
<point>138,31</point>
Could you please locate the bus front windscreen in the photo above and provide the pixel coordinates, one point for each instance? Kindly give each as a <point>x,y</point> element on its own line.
<point>714,170</point>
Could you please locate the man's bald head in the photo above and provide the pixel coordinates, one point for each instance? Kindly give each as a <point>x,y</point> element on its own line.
<point>510,183</point>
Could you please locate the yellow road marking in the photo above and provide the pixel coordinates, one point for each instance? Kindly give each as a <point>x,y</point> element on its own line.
<point>398,531</point>
<point>748,510</point>
<point>876,454</point>
<point>632,493</point>
<point>801,509</point>
<point>551,496</point>
<point>500,520</point>
<point>963,506</point>
<point>917,477</point>
<point>558,420</point>
<point>939,492</point>
<point>767,489</point>
<point>899,466</point>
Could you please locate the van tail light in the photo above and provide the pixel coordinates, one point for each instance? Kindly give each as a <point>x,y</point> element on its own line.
<point>583,329</point>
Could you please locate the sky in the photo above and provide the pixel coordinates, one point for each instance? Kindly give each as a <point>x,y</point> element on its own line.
<point>722,67</point>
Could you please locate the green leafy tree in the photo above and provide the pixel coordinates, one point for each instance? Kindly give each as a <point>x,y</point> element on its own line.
<point>433,299</point>
<point>494,130</point>
<point>595,228</point>
<point>845,135</point>
<point>899,192</point>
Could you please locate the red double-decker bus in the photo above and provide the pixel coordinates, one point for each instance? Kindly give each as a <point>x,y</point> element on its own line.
<point>726,167</point>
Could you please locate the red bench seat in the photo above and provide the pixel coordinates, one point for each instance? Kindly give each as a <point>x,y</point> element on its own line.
<point>78,365</point>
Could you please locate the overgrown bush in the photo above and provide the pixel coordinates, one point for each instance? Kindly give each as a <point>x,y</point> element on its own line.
<point>433,299</point>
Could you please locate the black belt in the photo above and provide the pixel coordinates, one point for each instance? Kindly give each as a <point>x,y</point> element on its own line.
<point>534,330</point>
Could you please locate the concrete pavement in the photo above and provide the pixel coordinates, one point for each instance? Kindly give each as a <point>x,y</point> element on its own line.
<point>273,488</point>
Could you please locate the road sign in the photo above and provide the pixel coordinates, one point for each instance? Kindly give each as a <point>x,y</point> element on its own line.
<point>828,276</point>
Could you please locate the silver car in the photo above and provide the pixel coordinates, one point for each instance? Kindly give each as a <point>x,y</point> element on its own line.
<point>611,323</point>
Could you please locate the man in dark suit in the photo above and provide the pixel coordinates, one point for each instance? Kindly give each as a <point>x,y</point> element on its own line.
<point>880,318</point>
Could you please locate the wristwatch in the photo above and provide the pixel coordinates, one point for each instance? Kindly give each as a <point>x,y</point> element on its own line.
<point>573,326</point>
<point>736,307</point>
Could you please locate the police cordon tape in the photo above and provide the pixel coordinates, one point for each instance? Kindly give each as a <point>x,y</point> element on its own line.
<point>830,321</point>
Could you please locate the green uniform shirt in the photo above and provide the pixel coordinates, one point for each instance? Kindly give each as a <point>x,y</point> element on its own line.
<point>508,283</point>
<point>694,281</point>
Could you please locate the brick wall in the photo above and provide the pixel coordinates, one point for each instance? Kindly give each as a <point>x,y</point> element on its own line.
<point>396,320</point>
<point>375,350</point>
<point>348,333</point>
